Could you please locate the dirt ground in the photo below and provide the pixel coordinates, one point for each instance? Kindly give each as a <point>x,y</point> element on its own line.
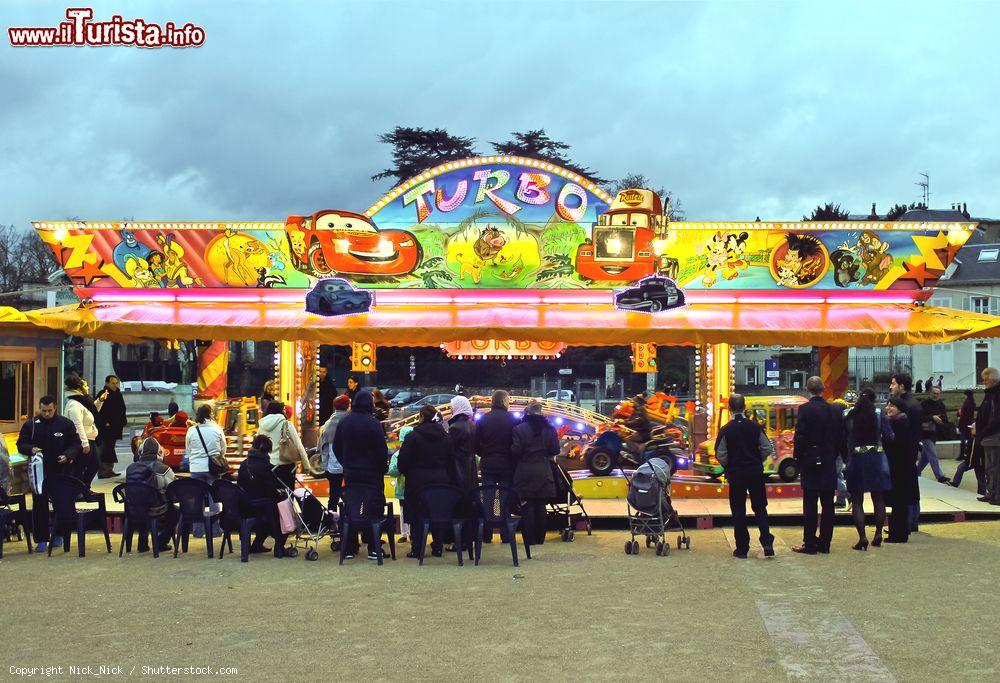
<point>576,610</point>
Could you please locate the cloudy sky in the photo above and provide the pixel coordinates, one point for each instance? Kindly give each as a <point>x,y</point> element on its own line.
<point>742,109</point>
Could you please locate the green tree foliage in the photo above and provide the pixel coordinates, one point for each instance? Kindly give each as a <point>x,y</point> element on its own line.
<point>414,150</point>
<point>897,211</point>
<point>639,181</point>
<point>827,212</point>
<point>536,144</point>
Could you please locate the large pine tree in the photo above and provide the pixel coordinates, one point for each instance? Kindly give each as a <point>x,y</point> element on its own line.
<point>414,150</point>
<point>536,144</point>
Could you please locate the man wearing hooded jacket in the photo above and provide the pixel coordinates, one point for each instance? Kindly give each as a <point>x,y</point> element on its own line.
<point>359,443</point>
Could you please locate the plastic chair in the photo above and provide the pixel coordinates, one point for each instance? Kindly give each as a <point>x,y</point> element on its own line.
<point>494,504</point>
<point>441,505</point>
<point>238,515</point>
<point>64,492</point>
<point>363,506</point>
<point>138,499</point>
<point>193,498</point>
<point>14,520</point>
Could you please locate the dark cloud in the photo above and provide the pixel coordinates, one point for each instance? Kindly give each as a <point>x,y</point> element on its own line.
<point>742,109</point>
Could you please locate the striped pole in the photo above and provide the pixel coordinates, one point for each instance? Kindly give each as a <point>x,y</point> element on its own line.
<point>213,363</point>
<point>833,371</point>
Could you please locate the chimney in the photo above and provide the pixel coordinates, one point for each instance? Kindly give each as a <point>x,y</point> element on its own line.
<point>874,212</point>
<point>965,210</point>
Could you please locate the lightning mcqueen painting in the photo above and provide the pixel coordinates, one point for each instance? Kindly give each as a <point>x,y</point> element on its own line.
<point>343,242</point>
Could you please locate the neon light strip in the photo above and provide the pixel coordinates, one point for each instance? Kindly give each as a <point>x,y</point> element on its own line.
<point>402,297</point>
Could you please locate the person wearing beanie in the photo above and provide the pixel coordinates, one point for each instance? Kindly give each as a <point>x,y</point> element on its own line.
<point>150,469</point>
<point>334,471</point>
<point>261,487</point>
<point>404,526</point>
<point>359,443</point>
<point>426,459</point>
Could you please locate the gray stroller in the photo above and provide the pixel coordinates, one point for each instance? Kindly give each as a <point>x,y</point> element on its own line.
<point>650,511</point>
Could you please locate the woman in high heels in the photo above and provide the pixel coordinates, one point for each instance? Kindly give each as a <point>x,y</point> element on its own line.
<point>867,469</point>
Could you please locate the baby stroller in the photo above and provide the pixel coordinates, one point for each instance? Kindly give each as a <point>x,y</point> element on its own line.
<point>314,523</point>
<point>567,504</point>
<point>650,511</point>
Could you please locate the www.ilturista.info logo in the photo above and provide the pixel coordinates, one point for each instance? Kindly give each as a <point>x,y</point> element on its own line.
<point>80,30</point>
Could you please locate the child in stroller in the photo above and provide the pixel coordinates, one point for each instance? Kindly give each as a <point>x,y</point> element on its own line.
<point>313,522</point>
<point>650,510</point>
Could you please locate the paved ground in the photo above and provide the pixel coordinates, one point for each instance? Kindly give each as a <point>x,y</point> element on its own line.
<point>582,610</point>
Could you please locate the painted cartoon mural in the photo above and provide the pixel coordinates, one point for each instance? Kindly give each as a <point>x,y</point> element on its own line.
<point>505,223</point>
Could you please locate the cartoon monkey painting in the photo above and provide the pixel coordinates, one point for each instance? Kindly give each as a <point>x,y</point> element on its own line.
<point>845,266</point>
<point>874,257</point>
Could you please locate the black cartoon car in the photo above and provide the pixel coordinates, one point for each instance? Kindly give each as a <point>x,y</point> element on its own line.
<point>650,295</point>
<point>336,296</point>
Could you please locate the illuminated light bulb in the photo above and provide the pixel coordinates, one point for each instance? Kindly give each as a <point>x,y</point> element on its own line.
<point>60,234</point>
<point>579,425</point>
<point>559,420</point>
<point>613,244</point>
<point>518,415</point>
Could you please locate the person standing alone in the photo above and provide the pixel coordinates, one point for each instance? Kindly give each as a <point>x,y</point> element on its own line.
<point>819,439</point>
<point>111,421</point>
<point>986,431</point>
<point>741,448</point>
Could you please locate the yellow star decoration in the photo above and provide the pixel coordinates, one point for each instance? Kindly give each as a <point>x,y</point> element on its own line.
<point>926,255</point>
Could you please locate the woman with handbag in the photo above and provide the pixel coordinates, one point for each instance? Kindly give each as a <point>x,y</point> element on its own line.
<point>287,447</point>
<point>867,469</point>
<point>205,446</point>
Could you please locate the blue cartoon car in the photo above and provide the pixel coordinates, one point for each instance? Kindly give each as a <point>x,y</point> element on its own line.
<point>336,296</point>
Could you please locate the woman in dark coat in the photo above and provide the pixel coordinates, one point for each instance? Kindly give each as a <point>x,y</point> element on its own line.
<point>902,472</point>
<point>462,430</point>
<point>257,480</point>
<point>867,468</point>
<point>534,445</point>
<point>426,458</point>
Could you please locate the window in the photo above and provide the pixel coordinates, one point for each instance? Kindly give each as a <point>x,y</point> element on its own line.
<point>940,301</point>
<point>751,371</point>
<point>980,304</point>
<point>17,390</point>
<point>988,255</point>
<point>942,358</point>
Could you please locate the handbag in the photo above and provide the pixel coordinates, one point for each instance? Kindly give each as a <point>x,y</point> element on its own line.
<point>286,516</point>
<point>217,463</point>
<point>287,452</point>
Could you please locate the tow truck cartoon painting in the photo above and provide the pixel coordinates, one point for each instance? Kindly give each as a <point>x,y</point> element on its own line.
<point>628,242</point>
<point>335,242</point>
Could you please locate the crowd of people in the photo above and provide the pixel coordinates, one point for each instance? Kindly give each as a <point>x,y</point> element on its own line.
<point>883,450</point>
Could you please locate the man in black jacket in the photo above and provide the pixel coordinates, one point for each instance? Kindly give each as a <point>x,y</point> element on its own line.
<point>494,436</point>
<point>819,439</point>
<point>742,447</point>
<point>899,386</point>
<point>986,432</point>
<point>55,437</point>
<point>359,443</point>
<point>327,392</point>
<point>935,422</point>
<point>111,421</point>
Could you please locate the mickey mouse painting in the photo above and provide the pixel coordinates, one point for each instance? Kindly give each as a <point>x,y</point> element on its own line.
<point>335,296</point>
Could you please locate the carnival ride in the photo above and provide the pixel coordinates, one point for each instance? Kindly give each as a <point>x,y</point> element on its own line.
<point>238,418</point>
<point>776,414</point>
